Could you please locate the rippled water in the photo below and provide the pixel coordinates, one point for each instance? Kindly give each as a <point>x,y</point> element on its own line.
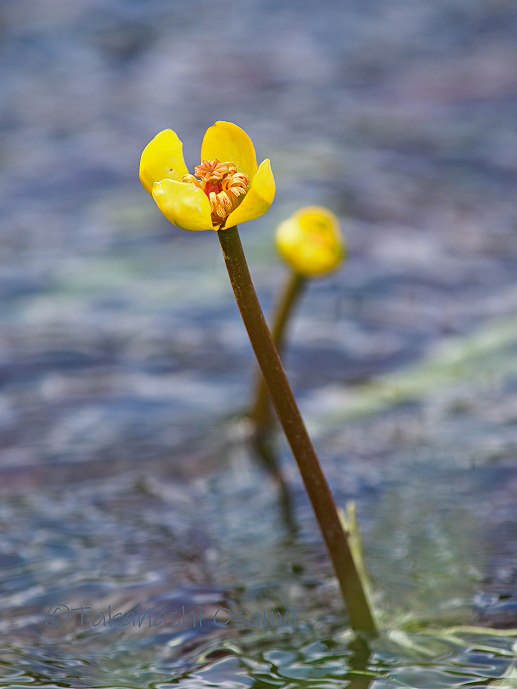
<point>437,539</point>
<point>126,478</point>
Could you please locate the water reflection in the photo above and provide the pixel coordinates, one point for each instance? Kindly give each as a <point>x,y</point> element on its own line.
<point>262,444</point>
<point>358,663</point>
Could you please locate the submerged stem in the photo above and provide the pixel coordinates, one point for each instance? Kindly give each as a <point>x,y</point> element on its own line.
<point>293,288</point>
<point>356,602</point>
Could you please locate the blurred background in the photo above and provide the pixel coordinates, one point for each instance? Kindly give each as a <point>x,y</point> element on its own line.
<point>123,359</point>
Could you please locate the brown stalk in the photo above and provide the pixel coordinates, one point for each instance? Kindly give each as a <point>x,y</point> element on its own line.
<point>335,538</point>
<point>261,411</point>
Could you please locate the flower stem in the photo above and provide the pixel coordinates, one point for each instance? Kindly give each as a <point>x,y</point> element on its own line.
<point>361,617</point>
<point>293,288</point>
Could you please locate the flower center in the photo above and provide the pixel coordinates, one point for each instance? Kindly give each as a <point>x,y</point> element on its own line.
<point>223,185</point>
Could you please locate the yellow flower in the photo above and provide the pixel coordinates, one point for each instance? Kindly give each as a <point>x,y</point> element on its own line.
<point>311,241</point>
<point>227,188</point>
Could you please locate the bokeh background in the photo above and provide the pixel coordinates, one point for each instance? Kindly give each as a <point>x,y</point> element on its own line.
<point>122,356</point>
<point>399,116</point>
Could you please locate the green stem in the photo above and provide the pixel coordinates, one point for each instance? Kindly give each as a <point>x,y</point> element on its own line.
<point>293,288</point>
<point>361,617</point>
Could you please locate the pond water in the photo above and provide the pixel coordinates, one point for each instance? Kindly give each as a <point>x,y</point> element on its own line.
<point>127,481</point>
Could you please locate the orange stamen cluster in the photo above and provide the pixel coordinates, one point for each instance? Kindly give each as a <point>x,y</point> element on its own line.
<point>222,184</point>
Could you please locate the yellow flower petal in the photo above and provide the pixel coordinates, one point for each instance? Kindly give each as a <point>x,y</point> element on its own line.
<point>258,199</point>
<point>183,204</point>
<point>311,242</point>
<point>162,158</point>
<point>229,143</point>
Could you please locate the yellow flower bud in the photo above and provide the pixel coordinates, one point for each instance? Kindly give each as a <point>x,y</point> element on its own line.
<point>311,241</point>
